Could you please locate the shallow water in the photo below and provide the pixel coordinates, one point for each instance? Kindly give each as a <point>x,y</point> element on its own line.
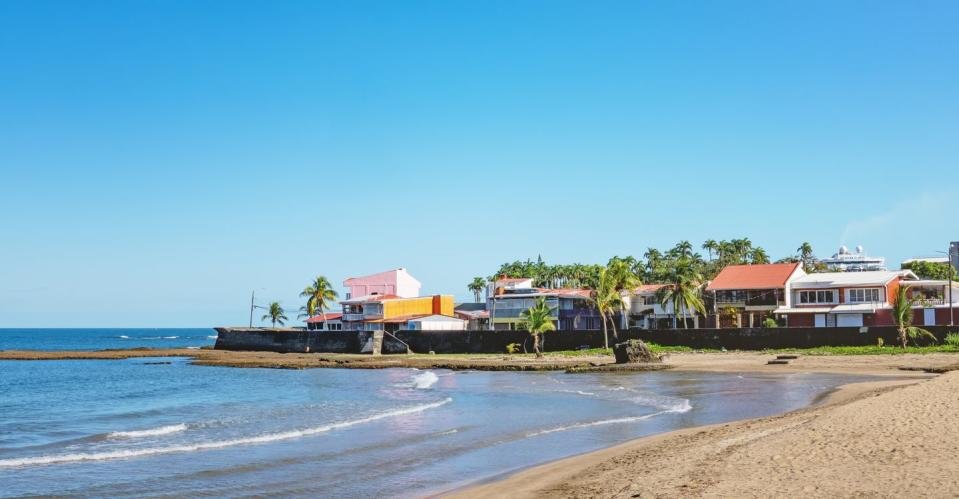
<point>124,428</point>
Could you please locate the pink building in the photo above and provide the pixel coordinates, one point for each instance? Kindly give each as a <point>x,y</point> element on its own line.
<point>396,282</point>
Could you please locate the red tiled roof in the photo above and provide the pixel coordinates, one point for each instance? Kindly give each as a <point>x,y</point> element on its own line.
<point>319,318</point>
<point>513,279</point>
<point>650,288</point>
<point>768,276</point>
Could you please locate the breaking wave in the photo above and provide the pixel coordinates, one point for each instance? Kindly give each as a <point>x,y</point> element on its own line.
<point>270,437</point>
<point>152,432</point>
<point>124,337</point>
<point>425,380</point>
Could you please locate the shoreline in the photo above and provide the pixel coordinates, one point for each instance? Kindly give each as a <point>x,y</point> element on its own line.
<point>705,460</point>
<point>734,361</point>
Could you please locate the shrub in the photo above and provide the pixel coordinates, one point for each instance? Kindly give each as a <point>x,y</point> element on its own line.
<point>879,342</point>
<point>770,323</point>
<point>952,339</point>
<point>512,348</point>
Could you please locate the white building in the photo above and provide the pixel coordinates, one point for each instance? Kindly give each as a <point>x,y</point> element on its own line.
<point>436,323</point>
<point>847,261</point>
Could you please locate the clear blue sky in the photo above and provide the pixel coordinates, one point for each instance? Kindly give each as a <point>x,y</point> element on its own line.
<point>161,159</point>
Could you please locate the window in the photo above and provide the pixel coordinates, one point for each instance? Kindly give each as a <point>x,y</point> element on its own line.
<point>863,295</point>
<point>827,296</point>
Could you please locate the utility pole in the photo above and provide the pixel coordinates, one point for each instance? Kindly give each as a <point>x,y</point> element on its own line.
<point>252,296</point>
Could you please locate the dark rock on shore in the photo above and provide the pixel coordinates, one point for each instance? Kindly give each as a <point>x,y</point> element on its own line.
<point>633,351</point>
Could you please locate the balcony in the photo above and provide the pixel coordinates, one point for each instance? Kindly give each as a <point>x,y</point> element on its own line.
<point>353,317</point>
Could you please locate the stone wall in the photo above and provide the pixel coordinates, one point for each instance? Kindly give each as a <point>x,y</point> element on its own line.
<point>298,340</point>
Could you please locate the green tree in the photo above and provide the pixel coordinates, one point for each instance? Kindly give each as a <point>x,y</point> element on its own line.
<point>710,245</point>
<point>607,300</point>
<point>931,270</point>
<point>537,320</point>
<point>275,314</point>
<point>318,296</point>
<point>683,290</point>
<point>758,256</point>
<point>476,286</point>
<point>806,256</point>
<point>902,315</point>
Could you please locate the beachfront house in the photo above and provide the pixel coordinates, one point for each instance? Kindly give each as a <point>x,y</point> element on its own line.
<point>746,295</point>
<point>331,321</point>
<point>646,311</point>
<point>391,312</point>
<point>856,299</point>
<point>572,308</point>
<point>475,314</point>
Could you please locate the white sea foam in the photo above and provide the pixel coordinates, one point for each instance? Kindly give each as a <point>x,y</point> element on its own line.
<point>425,380</point>
<point>603,422</point>
<point>170,337</point>
<point>212,336</point>
<point>152,432</point>
<point>270,437</point>
<point>680,407</point>
<point>124,337</point>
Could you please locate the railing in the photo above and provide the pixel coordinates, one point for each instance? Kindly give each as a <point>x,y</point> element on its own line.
<point>353,317</point>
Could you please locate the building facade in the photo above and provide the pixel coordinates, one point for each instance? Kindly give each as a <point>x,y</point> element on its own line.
<point>747,295</point>
<point>572,308</point>
<point>391,312</point>
<point>396,282</point>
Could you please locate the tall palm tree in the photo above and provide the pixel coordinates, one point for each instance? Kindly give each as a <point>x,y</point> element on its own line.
<point>710,245</point>
<point>538,319</point>
<point>902,315</point>
<point>318,296</point>
<point>607,300</point>
<point>805,254</point>
<point>476,287</point>
<point>684,249</point>
<point>684,291</point>
<point>275,314</point>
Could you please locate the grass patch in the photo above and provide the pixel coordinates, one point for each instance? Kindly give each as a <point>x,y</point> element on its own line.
<point>868,350</point>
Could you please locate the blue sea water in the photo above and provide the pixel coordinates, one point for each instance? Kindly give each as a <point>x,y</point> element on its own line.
<point>161,426</point>
<point>100,339</point>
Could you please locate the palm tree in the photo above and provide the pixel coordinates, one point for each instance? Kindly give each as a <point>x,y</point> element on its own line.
<point>318,296</point>
<point>538,319</point>
<point>758,256</point>
<point>710,245</point>
<point>607,300</point>
<point>476,287</point>
<point>805,254</point>
<point>684,249</point>
<point>275,314</point>
<point>902,314</point>
<point>684,291</point>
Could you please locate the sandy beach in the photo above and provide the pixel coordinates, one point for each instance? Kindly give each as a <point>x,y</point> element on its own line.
<point>885,439</point>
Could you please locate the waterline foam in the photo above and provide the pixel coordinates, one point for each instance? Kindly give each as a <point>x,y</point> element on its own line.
<point>270,437</point>
<point>152,432</point>
<point>603,422</point>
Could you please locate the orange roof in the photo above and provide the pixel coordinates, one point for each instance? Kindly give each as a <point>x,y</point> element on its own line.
<point>768,276</point>
<point>650,288</point>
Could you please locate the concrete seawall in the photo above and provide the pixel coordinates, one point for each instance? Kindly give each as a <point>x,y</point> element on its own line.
<point>300,340</point>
